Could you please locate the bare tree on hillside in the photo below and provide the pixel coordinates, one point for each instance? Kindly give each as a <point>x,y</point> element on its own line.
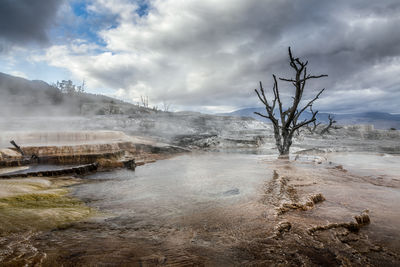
<point>166,106</point>
<point>287,124</point>
<point>66,87</point>
<point>81,88</point>
<point>145,101</point>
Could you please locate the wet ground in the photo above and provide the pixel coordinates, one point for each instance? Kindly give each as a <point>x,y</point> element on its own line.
<point>220,209</point>
<point>368,164</point>
<point>224,209</point>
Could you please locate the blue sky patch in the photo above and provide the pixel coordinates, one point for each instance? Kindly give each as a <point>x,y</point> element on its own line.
<point>79,8</point>
<point>143,9</point>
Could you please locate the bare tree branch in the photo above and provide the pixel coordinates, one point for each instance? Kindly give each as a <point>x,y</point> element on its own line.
<point>309,104</point>
<point>331,122</point>
<point>304,79</point>
<point>262,115</point>
<point>315,125</point>
<point>305,122</point>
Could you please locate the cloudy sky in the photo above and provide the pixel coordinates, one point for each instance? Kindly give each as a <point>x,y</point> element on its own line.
<point>208,55</point>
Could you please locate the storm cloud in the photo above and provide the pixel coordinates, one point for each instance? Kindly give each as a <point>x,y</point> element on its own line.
<point>211,54</point>
<point>24,21</point>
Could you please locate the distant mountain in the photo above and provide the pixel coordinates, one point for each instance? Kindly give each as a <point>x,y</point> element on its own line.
<point>22,97</point>
<point>380,120</point>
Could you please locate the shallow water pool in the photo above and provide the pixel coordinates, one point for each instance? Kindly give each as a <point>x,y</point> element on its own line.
<point>179,185</point>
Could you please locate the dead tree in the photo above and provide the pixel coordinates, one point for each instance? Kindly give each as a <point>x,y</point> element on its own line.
<point>314,126</point>
<point>331,122</point>
<point>287,124</point>
<point>166,106</point>
<point>145,101</point>
<point>17,147</point>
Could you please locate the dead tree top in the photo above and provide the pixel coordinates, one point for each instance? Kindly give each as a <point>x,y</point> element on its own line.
<point>290,116</point>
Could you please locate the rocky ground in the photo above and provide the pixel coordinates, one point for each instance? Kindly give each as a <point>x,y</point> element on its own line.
<point>325,216</point>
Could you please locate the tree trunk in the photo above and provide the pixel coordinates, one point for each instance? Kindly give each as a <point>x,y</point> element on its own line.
<point>284,145</point>
<point>287,142</point>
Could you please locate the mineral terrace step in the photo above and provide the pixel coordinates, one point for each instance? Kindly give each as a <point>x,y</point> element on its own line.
<point>79,170</point>
<point>63,159</point>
